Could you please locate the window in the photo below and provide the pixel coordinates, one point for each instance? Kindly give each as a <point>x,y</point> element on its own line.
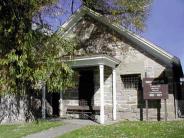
<point>130,81</point>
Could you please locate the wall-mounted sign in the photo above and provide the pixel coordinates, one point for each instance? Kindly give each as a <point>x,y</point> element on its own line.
<point>155,89</point>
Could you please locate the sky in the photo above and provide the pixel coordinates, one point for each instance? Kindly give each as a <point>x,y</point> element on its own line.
<point>165,26</point>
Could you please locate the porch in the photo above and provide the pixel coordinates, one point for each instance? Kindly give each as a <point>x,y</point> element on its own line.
<point>89,97</point>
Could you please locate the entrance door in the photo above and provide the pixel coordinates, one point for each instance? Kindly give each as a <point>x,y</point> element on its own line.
<point>86,88</point>
<point>55,104</point>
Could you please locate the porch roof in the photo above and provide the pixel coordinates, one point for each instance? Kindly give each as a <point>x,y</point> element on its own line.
<point>94,60</point>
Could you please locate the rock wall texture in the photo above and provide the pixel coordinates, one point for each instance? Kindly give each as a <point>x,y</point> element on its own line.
<point>14,109</point>
<point>95,38</point>
<point>21,108</point>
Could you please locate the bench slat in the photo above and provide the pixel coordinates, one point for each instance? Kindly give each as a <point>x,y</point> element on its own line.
<point>95,108</point>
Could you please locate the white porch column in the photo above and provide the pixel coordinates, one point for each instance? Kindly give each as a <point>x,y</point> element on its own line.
<point>61,104</point>
<point>101,68</point>
<point>114,93</point>
<point>43,101</point>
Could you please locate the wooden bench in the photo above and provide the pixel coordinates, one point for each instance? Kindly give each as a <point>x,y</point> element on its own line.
<point>84,110</point>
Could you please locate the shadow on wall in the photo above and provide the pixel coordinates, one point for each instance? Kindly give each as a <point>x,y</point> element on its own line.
<point>181,102</point>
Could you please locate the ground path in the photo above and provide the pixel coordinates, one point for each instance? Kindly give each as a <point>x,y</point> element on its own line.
<point>69,125</point>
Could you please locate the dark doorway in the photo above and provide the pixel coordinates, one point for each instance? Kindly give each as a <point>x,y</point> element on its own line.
<point>55,104</point>
<point>86,93</point>
<point>86,88</point>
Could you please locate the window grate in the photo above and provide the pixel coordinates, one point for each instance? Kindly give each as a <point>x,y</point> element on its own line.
<point>130,81</point>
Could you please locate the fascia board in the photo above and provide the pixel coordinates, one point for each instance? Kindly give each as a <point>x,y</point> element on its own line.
<point>94,61</point>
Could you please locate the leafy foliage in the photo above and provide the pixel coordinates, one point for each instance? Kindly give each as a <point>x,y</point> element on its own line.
<point>129,13</point>
<point>30,56</point>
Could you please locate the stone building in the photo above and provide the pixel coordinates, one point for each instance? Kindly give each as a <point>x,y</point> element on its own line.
<point>110,64</point>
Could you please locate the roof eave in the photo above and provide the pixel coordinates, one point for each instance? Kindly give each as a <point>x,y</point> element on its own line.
<point>92,61</point>
<point>167,58</point>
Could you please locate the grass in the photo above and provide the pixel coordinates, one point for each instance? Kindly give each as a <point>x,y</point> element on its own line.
<point>20,130</point>
<point>127,129</point>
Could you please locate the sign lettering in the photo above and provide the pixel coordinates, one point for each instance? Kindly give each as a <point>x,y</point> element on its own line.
<point>155,89</point>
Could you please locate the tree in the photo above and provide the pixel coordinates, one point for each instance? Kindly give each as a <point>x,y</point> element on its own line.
<point>130,14</point>
<point>29,56</point>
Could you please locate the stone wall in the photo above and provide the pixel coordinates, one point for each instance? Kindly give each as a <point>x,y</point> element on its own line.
<point>135,62</point>
<point>95,38</point>
<point>128,106</point>
<point>15,109</point>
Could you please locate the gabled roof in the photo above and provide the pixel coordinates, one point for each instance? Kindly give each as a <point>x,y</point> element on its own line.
<point>142,44</point>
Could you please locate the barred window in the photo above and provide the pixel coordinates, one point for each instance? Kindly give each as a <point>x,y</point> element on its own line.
<point>130,81</point>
